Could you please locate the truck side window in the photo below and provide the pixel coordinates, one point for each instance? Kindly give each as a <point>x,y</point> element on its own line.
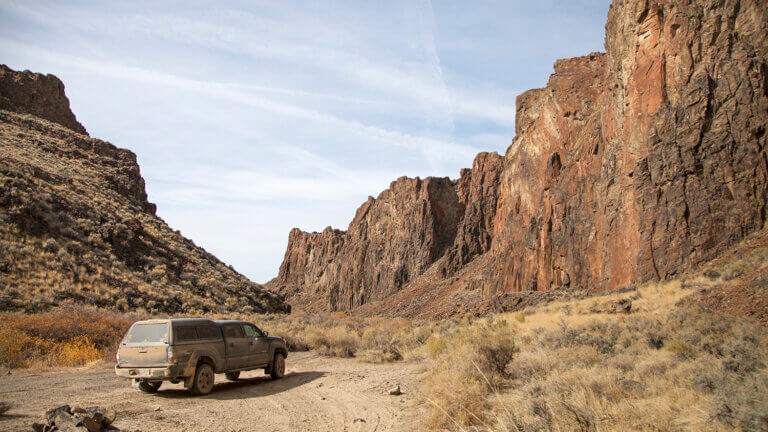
<point>251,331</point>
<point>208,332</point>
<point>233,331</point>
<point>185,333</point>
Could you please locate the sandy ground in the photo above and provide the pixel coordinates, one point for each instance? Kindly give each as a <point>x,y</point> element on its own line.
<point>317,394</point>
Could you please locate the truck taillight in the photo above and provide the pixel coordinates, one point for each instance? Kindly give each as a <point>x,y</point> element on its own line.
<point>171,358</point>
<point>117,357</point>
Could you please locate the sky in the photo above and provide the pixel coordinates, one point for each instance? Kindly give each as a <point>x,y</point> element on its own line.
<point>253,117</point>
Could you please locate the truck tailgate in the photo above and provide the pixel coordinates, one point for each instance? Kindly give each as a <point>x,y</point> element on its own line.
<point>143,355</point>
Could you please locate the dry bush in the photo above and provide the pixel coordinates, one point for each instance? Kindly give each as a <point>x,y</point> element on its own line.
<point>68,337</point>
<point>471,365</point>
<point>436,345</point>
<point>374,340</point>
<point>339,341</point>
<point>707,373</point>
<point>74,352</point>
<point>16,348</point>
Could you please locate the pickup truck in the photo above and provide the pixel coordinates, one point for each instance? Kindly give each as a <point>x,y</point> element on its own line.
<point>192,350</point>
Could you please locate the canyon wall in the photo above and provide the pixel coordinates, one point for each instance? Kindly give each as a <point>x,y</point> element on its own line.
<point>660,146</point>
<point>393,239</point>
<point>632,165</point>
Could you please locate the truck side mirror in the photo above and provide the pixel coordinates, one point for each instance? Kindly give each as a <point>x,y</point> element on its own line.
<point>265,333</point>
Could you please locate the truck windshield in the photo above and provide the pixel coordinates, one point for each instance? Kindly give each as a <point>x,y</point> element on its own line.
<point>141,333</point>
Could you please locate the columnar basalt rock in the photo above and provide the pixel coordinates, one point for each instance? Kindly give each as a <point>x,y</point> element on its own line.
<point>629,166</point>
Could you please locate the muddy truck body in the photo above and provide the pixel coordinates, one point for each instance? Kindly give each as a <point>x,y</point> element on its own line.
<point>193,350</point>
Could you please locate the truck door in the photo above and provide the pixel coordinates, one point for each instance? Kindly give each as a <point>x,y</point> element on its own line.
<point>238,346</point>
<point>259,345</point>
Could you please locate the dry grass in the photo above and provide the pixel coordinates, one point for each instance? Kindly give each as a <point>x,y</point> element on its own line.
<point>374,340</point>
<point>660,368</point>
<point>469,366</point>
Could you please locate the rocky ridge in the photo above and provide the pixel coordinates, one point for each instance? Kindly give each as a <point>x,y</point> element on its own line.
<point>632,165</point>
<point>37,94</point>
<point>76,226</point>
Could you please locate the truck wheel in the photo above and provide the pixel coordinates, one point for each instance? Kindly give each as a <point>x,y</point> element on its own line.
<point>203,381</point>
<point>149,386</point>
<point>232,376</point>
<point>278,366</point>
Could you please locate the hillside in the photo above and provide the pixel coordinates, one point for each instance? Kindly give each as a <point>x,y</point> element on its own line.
<point>76,226</point>
<point>633,165</point>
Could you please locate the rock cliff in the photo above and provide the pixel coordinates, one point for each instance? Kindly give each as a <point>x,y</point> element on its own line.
<point>36,94</point>
<point>391,239</point>
<point>76,226</point>
<point>631,165</point>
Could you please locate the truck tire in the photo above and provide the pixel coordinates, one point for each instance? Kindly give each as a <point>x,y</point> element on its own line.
<point>149,386</point>
<point>278,366</point>
<point>203,380</point>
<point>232,376</point>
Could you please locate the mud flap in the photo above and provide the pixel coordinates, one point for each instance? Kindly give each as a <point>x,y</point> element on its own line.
<point>188,382</point>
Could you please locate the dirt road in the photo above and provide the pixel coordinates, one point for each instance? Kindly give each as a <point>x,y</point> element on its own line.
<point>317,394</point>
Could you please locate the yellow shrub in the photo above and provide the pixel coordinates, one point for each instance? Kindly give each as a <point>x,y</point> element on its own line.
<point>74,352</point>
<point>435,345</point>
<point>15,348</point>
<point>64,338</point>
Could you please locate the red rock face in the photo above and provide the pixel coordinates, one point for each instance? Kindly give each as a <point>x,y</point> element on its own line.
<point>633,165</point>
<point>40,95</point>
<point>661,148</point>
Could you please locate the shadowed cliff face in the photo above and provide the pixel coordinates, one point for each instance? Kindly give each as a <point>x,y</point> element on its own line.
<point>633,165</point>
<point>391,240</point>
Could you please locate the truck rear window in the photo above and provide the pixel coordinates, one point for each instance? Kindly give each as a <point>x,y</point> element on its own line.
<point>146,333</point>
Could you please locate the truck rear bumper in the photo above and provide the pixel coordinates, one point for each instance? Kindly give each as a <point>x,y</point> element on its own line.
<point>152,373</point>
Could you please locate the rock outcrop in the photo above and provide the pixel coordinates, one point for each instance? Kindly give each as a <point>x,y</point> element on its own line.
<point>76,226</point>
<point>393,239</point>
<point>36,94</point>
<point>633,165</point>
